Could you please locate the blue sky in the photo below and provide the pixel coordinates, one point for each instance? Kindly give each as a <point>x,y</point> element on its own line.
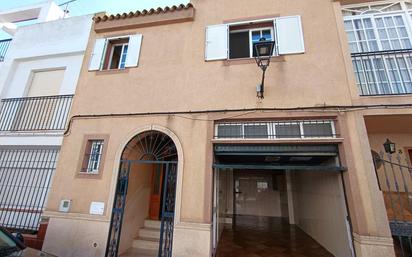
<point>80,7</point>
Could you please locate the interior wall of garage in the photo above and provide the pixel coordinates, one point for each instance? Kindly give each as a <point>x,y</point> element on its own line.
<point>268,203</point>
<point>319,209</point>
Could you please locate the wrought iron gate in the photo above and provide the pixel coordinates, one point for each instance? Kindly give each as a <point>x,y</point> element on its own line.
<point>119,204</point>
<point>168,210</point>
<point>168,207</point>
<point>395,181</point>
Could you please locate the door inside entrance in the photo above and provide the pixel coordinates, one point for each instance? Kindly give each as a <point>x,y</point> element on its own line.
<point>156,192</point>
<point>279,203</point>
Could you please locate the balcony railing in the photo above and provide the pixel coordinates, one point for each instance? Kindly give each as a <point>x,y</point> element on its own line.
<point>45,113</point>
<point>383,72</point>
<point>4,46</point>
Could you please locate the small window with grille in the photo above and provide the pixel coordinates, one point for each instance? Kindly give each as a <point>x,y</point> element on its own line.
<point>229,131</point>
<point>276,129</point>
<point>93,157</point>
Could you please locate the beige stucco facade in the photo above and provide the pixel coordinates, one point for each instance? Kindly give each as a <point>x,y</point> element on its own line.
<point>173,78</point>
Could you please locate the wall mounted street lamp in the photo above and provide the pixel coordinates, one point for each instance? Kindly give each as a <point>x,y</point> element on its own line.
<point>264,50</point>
<point>389,146</point>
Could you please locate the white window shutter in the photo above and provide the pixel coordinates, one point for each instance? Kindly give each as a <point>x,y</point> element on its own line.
<point>133,51</point>
<point>217,42</point>
<point>97,55</point>
<point>289,35</point>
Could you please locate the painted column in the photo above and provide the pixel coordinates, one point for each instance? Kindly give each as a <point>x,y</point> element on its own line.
<point>371,233</point>
<point>289,191</point>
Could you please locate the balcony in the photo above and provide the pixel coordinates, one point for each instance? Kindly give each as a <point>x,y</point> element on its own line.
<point>4,46</point>
<point>34,114</point>
<point>383,72</point>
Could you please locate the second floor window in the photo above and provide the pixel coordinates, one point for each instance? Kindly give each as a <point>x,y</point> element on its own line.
<point>378,28</point>
<point>116,53</point>
<point>242,41</point>
<point>237,40</point>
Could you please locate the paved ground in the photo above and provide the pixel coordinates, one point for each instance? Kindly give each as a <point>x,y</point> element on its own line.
<point>267,237</point>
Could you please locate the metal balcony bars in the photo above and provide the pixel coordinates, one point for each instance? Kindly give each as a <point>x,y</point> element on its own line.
<point>4,46</point>
<point>383,72</point>
<point>45,113</point>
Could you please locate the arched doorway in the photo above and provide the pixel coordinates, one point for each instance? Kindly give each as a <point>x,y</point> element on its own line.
<point>153,153</point>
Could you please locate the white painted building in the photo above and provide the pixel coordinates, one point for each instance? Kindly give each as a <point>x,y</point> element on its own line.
<point>38,78</point>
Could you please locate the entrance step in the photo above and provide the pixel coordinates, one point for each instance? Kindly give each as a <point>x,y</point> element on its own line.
<point>150,233</point>
<point>153,224</point>
<point>139,253</point>
<point>147,241</point>
<point>146,244</point>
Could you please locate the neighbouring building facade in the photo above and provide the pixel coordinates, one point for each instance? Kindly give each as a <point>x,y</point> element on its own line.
<point>39,71</point>
<point>168,151</point>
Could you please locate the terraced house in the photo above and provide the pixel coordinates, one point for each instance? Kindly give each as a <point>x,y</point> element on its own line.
<point>183,141</point>
<point>39,69</point>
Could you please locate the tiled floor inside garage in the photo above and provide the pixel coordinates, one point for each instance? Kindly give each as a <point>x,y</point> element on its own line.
<point>267,237</point>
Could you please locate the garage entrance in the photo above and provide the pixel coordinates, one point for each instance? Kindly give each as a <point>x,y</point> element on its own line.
<point>279,200</point>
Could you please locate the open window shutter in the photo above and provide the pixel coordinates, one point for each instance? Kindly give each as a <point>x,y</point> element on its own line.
<point>289,35</point>
<point>133,51</point>
<point>97,55</point>
<point>217,42</point>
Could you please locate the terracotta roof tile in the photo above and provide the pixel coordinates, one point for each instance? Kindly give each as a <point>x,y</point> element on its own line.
<point>152,11</point>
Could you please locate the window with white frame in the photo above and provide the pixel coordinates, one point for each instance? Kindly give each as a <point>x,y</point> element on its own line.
<point>117,57</point>
<point>276,129</point>
<point>116,53</point>
<point>379,27</point>
<point>379,36</point>
<point>236,40</point>
<point>242,40</point>
<point>93,156</point>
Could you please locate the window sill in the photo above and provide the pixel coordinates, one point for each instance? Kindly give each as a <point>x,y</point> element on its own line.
<point>96,175</point>
<point>117,71</point>
<point>240,61</point>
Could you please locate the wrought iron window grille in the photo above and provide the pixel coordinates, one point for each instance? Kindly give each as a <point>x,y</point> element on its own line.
<point>25,176</point>
<point>276,130</point>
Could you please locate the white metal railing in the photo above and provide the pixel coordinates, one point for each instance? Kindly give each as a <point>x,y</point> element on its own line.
<point>276,129</point>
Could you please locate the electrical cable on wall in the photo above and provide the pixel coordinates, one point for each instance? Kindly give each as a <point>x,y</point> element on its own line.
<point>245,111</point>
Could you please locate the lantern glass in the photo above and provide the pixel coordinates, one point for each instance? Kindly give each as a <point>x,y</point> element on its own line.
<point>389,146</point>
<point>264,48</point>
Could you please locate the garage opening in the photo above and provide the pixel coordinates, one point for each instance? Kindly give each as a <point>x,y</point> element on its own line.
<point>279,200</point>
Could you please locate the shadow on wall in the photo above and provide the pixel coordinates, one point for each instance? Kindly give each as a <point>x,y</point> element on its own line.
<point>137,204</point>
<point>319,207</point>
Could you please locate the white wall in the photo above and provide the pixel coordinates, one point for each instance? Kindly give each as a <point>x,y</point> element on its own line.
<point>21,75</point>
<point>320,209</point>
<point>57,37</point>
<point>42,46</point>
<point>266,203</point>
<point>58,44</point>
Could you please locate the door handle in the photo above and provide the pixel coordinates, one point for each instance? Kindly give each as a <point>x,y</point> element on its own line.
<point>238,192</point>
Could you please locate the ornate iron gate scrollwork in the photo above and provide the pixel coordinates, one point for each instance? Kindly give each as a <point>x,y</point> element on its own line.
<point>394,175</point>
<point>158,149</point>
<point>112,247</point>
<point>168,211</point>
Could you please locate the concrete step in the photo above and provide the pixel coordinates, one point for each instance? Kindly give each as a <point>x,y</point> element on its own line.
<point>146,244</point>
<point>149,233</point>
<point>133,252</point>
<point>153,224</point>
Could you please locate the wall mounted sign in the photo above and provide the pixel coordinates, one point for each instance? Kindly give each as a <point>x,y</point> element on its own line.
<point>97,208</point>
